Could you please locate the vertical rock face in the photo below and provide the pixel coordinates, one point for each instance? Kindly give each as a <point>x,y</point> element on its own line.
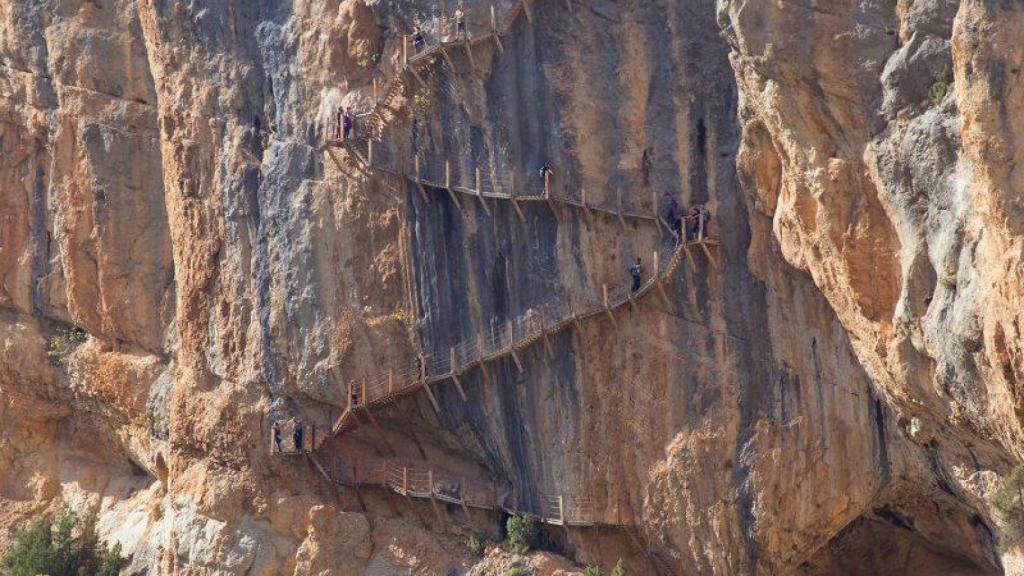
<point>181,265</point>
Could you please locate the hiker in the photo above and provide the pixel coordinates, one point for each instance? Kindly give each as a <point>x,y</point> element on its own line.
<point>417,39</point>
<point>677,229</point>
<point>297,435</point>
<point>460,20</point>
<point>635,271</point>
<point>338,121</point>
<point>277,436</point>
<point>348,120</point>
<point>692,223</point>
<point>545,176</point>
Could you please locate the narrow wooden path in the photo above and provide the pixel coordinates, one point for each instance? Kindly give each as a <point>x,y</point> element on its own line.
<point>419,480</point>
<point>460,177</point>
<point>509,341</point>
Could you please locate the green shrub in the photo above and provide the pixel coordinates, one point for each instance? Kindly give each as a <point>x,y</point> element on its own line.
<point>591,571</point>
<point>1009,504</point>
<point>939,86</point>
<point>476,544</point>
<point>619,569</point>
<point>65,342</point>
<point>523,533</point>
<point>64,545</point>
<point>424,100</point>
<point>515,571</point>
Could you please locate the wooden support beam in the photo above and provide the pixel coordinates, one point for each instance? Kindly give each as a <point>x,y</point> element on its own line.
<point>430,489</point>
<point>568,5</point>
<point>391,381</point>
<point>707,252</point>
<point>480,362</point>
<point>528,10</point>
<point>405,480</point>
<point>448,185</point>
<point>426,385</point>
<point>659,282</point>
<point>369,151</point>
<point>622,220</point>
<point>561,510</point>
<point>416,74</point>
<point>462,496</point>
<point>689,257</point>
<point>419,182</point>
<point>479,195</point>
<point>405,52</point>
<point>512,346</point>
<point>455,376</point>
<point>608,308</point>
<point>469,52</point>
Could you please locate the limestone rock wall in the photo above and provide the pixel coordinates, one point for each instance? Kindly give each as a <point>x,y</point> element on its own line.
<point>840,390</point>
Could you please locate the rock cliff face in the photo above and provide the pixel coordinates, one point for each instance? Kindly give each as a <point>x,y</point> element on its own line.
<point>838,395</point>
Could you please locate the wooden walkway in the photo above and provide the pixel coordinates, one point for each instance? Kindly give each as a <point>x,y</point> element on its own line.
<point>372,395</point>
<point>418,480</point>
<point>461,177</point>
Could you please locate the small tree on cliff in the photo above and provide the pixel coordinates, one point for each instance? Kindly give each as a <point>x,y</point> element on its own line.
<point>1009,503</point>
<point>62,545</point>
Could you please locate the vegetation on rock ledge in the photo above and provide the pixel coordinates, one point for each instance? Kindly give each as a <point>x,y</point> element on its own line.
<point>62,545</point>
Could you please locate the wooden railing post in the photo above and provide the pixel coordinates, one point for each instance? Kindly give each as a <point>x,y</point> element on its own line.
<point>561,510</point>
<point>512,346</point>
<point>454,373</point>
<point>375,91</point>
<point>478,189</point>
<point>543,330</point>
<point>447,174</point>
<point>622,220</point>
<point>391,380</point>
<point>608,308</point>
<point>405,480</point>
<point>369,150</point>
<point>405,51</point>
<point>494,21</point>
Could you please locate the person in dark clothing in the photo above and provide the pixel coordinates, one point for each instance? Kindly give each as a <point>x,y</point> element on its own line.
<point>545,176</point>
<point>277,436</point>
<point>347,121</point>
<point>297,435</point>
<point>668,207</point>
<point>692,222</point>
<point>339,119</point>
<point>460,20</point>
<point>417,40</point>
<point>635,271</point>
